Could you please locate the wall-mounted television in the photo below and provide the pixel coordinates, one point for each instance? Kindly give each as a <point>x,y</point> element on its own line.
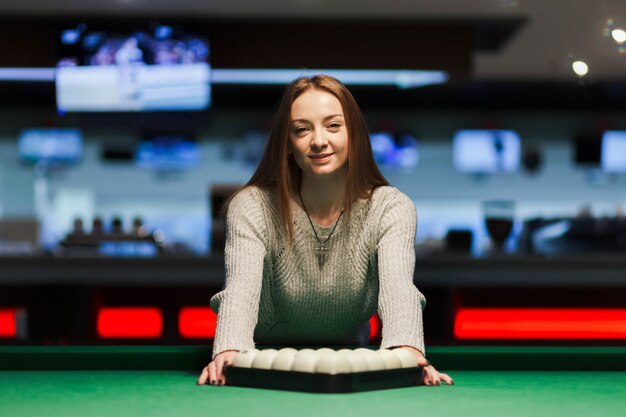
<point>486,151</point>
<point>395,151</point>
<point>167,152</point>
<point>50,146</point>
<point>613,152</point>
<point>157,68</point>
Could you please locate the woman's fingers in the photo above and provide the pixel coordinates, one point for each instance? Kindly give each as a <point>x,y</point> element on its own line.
<point>204,376</point>
<point>212,373</point>
<point>446,378</point>
<point>432,377</point>
<point>219,363</point>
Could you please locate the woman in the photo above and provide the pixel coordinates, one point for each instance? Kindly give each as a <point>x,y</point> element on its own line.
<point>317,241</point>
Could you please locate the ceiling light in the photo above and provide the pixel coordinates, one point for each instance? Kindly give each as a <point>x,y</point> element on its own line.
<point>580,68</point>
<point>398,78</point>
<point>618,35</point>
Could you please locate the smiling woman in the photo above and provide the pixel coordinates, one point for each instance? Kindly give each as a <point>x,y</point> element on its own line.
<point>317,241</point>
<point>318,142</point>
<point>318,138</point>
<point>279,169</point>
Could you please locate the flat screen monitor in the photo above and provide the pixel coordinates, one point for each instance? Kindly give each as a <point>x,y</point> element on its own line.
<point>395,151</point>
<point>486,151</point>
<point>50,146</point>
<point>167,153</point>
<point>160,68</point>
<point>613,154</point>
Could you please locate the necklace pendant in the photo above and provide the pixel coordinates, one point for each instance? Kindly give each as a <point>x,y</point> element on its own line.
<point>321,248</point>
<point>321,255</point>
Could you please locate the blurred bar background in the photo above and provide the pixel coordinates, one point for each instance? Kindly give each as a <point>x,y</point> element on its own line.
<point>124,128</point>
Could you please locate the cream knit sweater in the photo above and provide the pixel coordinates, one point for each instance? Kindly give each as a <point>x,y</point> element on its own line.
<point>281,294</point>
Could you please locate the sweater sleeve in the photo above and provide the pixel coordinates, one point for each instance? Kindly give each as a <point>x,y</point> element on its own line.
<point>238,304</point>
<point>400,303</point>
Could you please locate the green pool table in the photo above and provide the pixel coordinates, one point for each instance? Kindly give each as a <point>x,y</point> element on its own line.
<point>160,381</point>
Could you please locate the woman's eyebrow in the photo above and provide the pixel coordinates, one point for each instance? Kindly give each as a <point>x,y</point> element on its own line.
<point>333,116</point>
<point>325,118</point>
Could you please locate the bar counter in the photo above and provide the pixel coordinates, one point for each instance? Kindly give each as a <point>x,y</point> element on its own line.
<point>62,298</point>
<point>438,272</point>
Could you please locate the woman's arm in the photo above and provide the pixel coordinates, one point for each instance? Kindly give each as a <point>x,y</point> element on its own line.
<point>399,302</point>
<point>238,304</point>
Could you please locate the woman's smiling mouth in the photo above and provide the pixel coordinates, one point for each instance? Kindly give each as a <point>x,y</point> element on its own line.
<point>321,158</point>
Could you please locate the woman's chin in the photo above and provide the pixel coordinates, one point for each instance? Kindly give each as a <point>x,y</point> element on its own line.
<point>325,172</point>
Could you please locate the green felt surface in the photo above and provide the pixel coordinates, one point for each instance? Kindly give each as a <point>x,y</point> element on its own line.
<point>468,358</point>
<point>174,393</point>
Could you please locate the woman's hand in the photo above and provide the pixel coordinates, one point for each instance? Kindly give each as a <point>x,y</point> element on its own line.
<point>214,371</point>
<point>431,376</point>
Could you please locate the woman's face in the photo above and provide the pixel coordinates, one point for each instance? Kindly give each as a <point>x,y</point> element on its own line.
<point>318,137</point>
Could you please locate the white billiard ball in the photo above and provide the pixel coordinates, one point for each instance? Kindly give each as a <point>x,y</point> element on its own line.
<point>408,359</point>
<point>264,359</point>
<point>284,359</point>
<point>391,360</point>
<point>325,351</point>
<point>245,358</point>
<point>375,362</point>
<point>305,361</point>
<point>345,352</point>
<point>333,364</point>
<point>358,362</point>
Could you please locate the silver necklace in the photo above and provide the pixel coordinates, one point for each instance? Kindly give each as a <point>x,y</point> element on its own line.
<point>322,247</point>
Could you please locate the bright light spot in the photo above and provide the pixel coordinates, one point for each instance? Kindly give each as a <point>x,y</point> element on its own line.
<point>580,68</point>
<point>159,236</point>
<point>143,231</point>
<point>619,35</point>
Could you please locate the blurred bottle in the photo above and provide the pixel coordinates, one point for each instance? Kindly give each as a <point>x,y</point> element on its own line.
<point>97,227</point>
<point>137,227</point>
<point>78,227</point>
<point>499,216</point>
<point>116,226</point>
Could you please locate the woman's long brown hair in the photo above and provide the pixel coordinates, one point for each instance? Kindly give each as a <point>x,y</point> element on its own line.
<point>278,171</point>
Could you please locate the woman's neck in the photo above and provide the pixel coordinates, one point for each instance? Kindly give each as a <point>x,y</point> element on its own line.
<point>323,197</point>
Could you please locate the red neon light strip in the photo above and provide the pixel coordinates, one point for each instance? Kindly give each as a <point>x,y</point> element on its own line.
<point>540,323</point>
<point>375,327</point>
<point>197,322</point>
<point>8,323</point>
<point>130,322</point>
<point>200,322</point>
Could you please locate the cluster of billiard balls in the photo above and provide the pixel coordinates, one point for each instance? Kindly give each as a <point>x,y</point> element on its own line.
<point>326,360</point>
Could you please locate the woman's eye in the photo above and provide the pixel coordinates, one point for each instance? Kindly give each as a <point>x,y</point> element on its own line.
<point>300,129</point>
<point>334,126</point>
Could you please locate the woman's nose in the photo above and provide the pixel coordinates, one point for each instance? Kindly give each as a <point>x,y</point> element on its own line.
<point>318,140</point>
